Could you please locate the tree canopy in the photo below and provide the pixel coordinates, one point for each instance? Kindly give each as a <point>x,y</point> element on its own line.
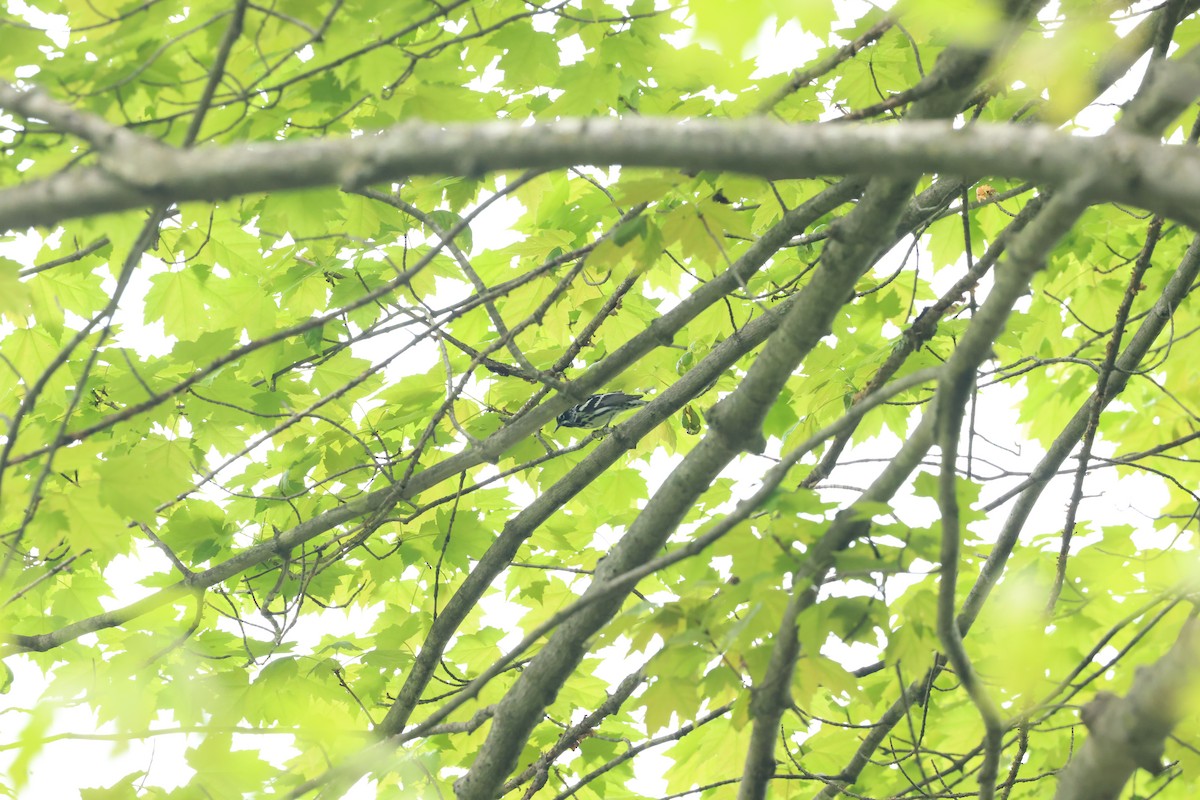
<point>292,293</point>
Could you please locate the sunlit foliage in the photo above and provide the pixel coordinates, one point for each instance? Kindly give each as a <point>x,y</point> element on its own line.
<point>278,469</point>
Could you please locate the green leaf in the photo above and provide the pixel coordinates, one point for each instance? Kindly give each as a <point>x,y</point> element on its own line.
<point>627,232</point>
<point>175,298</point>
<point>117,791</point>
<point>133,484</point>
<point>447,221</point>
<point>731,28</point>
<point>14,295</point>
<point>222,771</point>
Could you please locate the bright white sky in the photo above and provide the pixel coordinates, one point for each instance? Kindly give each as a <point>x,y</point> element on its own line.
<point>96,763</point>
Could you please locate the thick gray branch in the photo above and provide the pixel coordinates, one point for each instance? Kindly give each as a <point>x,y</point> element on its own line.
<point>1129,732</point>
<point>1139,171</point>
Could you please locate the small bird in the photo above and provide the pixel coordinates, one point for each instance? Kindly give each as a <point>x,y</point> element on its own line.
<point>598,409</point>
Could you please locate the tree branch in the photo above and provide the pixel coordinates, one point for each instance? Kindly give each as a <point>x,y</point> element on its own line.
<point>1139,171</point>
<point>1129,732</point>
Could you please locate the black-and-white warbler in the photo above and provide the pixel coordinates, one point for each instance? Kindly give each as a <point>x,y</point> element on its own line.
<point>598,409</point>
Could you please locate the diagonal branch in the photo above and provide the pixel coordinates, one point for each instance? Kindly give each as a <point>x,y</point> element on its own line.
<point>1129,732</point>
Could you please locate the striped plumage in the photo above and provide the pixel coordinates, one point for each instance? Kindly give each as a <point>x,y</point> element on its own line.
<point>598,409</point>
